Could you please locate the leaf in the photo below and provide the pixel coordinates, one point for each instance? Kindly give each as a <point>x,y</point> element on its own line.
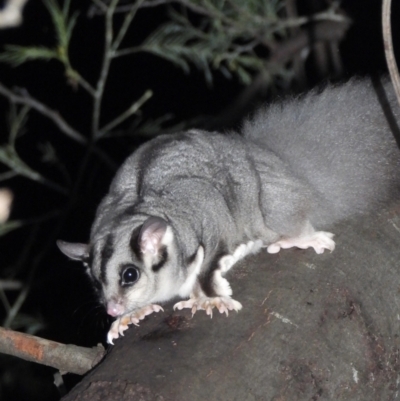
<point>5,228</point>
<point>63,25</point>
<point>17,55</point>
<point>181,46</point>
<point>10,158</point>
<point>243,75</point>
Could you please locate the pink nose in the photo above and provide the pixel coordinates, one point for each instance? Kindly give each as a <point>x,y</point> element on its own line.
<point>115,308</point>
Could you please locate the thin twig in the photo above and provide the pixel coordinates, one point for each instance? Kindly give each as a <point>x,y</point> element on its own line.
<point>13,311</point>
<point>10,157</point>
<point>9,285</point>
<point>125,25</point>
<point>104,68</point>
<point>85,85</point>
<point>57,119</point>
<point>130,50</point>
<point>4,300</point>
<point>111,46</point>
<point>388,45</point>
<point>44,110</point>
<point>100,4</point>
<point>35,263</point>
<point>7,175</point>
<point>126,114</point>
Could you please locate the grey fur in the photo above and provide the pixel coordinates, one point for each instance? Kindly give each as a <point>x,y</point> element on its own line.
<point>339,143</point>
<point>298,165</point>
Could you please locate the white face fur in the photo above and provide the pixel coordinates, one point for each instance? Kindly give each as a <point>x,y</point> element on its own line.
<point>140,269</point>
<point>133,268</point>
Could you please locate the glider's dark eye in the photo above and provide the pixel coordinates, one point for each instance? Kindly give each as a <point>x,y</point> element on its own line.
<point>129,275</point>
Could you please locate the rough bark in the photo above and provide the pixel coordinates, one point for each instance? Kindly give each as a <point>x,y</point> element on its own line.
<point>65,357</point>
<point>313,327</point>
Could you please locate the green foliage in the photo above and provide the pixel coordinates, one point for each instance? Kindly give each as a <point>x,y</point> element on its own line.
<point>17,55</point>
<point>63,25</point>
<point>5,228</point>
<point>8,152</point>
<point>225,38</point>
<point>10,158</point>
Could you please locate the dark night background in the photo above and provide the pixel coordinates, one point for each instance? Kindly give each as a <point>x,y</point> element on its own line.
<point>61,296</point>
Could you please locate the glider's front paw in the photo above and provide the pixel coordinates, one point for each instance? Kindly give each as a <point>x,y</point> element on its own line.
<point>223,304</point>
<point>121,323</point>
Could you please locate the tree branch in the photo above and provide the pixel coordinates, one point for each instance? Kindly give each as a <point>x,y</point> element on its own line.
<point>127,113</point>
<point>108,54</point>
<point>53,115</point>
<point>64,357</point>
<point>57,119</point>
<point>388,45</point>
<point>320,32</point>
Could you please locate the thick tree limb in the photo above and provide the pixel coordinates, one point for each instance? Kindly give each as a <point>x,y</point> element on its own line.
<point>313,327</point>
<point>64,357</point>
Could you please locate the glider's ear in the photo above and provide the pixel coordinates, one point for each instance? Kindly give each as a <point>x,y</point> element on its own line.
<point>75,251</point>
<point>151,235</point>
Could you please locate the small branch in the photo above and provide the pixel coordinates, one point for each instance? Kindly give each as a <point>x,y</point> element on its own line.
<point>322,31</point>
<point>111,46</point>
<point>132,110</point>
<point>147,4</point>
<point>10,158</point>
<point>99,4</point>
<point>85,85</point>
<point>4,300</point>
<point>64,357</point>
<point>8,285</point>
<point>14,309</point>
<point>125,25</point>
<point>44,110</point>
<point>57,119</point>
<point>388,45</point>
<point>7,175</point>
<point>323,16</point>
<point>129,50</point>
<point>108,54</point>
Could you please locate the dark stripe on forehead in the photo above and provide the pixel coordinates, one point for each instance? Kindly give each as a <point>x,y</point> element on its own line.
<point>106,254</point>
<point>128,212</point>
<point>164,256</point>
<point>134,243</point>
